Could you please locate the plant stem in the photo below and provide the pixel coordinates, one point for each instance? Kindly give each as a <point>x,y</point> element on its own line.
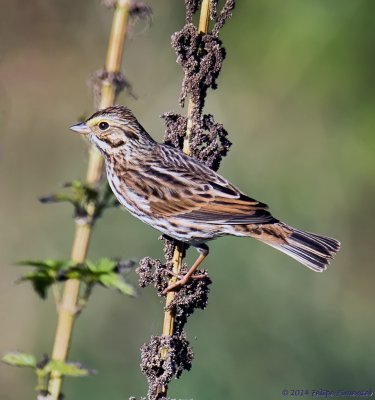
<point>204,19</point>
<point>168,324</point>
<point>69,303</point>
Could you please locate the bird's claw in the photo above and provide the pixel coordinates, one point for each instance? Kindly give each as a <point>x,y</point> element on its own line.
<point>179,276</point>
<point>183,280</point>
<point>173,286</point>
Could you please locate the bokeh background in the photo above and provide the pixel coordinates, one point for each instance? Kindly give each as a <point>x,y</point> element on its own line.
<point>297,95</point>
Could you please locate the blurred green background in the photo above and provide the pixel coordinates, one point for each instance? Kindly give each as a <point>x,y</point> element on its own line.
<point>297,95</point>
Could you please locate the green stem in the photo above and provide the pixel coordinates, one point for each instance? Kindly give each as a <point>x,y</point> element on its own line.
<point>69,304</point>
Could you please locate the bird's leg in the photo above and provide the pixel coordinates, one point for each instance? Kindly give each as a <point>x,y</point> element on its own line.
<point>170,272</point>
<point>179,276</point>
<point>203,250</point>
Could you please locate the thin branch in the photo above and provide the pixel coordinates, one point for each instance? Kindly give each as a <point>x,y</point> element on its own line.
<point>204,19</point>
<point>169,317</point>
<point>70,298</point>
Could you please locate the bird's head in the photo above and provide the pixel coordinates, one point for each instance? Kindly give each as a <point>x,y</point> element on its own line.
<point>113,129</point>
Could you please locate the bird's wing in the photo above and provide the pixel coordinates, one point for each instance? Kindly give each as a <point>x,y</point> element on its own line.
<point>190,190</point>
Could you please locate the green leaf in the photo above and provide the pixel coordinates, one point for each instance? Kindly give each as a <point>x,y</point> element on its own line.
<point>115,281</point>
<point>76,273</point>
<point>47,264</point>
<point>103,265</point>
<point>40,282</point>
<point>41,285</point>
<point>68,368</point>
<point>48,272</point>
<point>20,359</point>
<point>80,195</point>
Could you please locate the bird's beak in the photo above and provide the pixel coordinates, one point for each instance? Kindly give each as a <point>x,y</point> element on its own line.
<point>81,128</point>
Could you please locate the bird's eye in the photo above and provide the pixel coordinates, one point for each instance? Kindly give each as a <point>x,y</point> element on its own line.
<point>103,126</point>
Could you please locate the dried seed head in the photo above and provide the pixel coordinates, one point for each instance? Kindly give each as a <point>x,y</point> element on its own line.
<point>191,8</point>
<point>208,142</point>
<point>117,79</point>
<point>192,296</point>
<point>225,14</point>
<point>201,57</point>
<point>175,129</point>
<point>152,272</point>
<point>160,370</point>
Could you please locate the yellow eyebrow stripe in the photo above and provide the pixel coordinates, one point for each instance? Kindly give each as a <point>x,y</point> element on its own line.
<point>95,121</point>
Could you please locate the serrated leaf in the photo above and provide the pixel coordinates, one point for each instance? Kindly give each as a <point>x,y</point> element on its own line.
<point>115,281</point>
<point>68,368</point>
<point>47,272</point>
<point>41,286</point>
<point>20,359</point>
<point>47,264</point>
<point>106,265</point>
<point>40,282</point>
<point>102,266</point>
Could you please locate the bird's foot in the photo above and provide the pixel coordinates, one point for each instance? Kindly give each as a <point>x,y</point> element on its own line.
<point>182,280</point>
<point>180,277</point>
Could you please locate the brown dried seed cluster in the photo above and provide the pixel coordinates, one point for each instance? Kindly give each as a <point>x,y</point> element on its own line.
<point>191,8</point>
<point>226,12</point>
<point>224,15</point>
<point>201,57</point>
<point>192,296</point>
<point>175,130</point>
<point>209,142</point>
<point>160,370</point>
<point>152,272</point>
<point>117,79</point>
<point>168,249</point>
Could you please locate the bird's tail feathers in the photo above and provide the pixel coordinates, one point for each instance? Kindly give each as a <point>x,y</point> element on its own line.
<point>314,251</point>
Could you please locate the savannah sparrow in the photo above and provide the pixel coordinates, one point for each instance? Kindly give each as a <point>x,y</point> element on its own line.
<point>186,200</point>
